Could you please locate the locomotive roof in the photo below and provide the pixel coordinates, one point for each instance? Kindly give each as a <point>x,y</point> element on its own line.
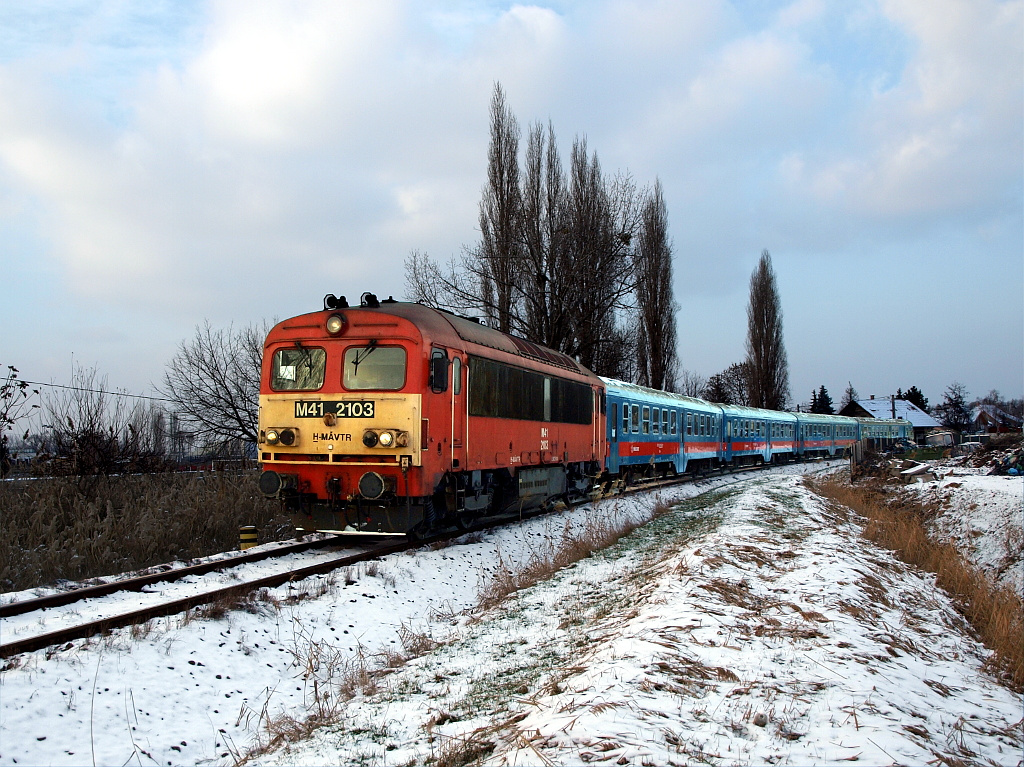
<point>440,324</point>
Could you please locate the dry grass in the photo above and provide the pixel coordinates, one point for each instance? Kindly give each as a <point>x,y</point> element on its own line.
<point>574,545</point>
<point>52,530</point>
<point>332,678</point>
<point>995,613</point>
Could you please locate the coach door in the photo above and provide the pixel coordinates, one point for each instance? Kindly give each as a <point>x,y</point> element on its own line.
<point>613,437</point>
<point>459,436</point>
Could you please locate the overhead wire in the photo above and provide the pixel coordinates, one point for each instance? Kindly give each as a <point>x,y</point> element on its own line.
<point>101,391</point>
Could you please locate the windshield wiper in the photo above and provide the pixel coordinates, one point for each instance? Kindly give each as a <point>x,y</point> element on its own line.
<point>358,359</point>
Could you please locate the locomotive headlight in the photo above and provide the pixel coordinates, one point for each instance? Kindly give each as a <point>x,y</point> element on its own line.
<point>370,438</point>
<point>387,439</point>
<point>288,437</point>
<point>273,437</point>
<point>335,324</point>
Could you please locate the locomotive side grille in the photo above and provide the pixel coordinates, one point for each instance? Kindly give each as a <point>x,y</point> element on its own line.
<point>326,457</point>
<point>341,458</point>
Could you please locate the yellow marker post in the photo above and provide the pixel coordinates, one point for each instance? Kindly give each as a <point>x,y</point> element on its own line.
<point>246,537</point>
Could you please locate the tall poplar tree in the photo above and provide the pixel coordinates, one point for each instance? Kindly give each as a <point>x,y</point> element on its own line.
<point>656,322</point>
<point>767,366</point>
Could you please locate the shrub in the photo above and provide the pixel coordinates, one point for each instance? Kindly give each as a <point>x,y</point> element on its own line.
<point>53,529</point>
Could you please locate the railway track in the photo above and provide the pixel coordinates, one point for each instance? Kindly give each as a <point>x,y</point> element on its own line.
<point>235,592</point>
<point>173,606</point>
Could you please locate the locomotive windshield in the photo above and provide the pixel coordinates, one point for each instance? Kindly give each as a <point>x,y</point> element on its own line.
<point>374,367</point>
<point>298,369</point>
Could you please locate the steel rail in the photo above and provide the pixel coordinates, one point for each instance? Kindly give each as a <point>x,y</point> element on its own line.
<point>138,583</point>
<point>172,607</point>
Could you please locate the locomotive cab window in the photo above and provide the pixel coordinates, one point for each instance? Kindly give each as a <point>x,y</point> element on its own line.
<point>298,369</point>
<point>374,367</point>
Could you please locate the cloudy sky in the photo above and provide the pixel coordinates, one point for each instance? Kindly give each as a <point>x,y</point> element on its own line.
<point>166,163</point>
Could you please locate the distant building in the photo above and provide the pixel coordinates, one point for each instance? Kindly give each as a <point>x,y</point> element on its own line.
<point>991,419</point>
<point>893,408</point>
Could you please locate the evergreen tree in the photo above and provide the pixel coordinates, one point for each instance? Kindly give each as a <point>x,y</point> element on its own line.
<point>814,401</point>
<point>824,402</point>
<point>953,413</point>
<point>915,396</point>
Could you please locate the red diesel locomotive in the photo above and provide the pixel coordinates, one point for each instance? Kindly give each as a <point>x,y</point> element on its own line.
<point>392,417</point>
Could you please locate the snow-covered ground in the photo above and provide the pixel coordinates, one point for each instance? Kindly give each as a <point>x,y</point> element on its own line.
<point>750,625</point>
<point>982,516</point>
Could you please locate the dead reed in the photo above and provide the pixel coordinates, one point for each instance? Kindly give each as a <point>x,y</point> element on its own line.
<point>995,613</point>
<point>52,529</point>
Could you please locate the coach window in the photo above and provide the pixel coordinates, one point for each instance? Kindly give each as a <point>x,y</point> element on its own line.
<point>664,420</point>
<point>625,418</point>
<point>656,421</point>
<point>636,419</point>
<point>456,376</point>
<point>374,367</point>
<point>298,369</point>
<point>673,422</point>
<point>689,423</point>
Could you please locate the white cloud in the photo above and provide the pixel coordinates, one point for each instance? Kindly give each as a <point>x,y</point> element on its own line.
<point>241,165</point>
<point>945,137</point>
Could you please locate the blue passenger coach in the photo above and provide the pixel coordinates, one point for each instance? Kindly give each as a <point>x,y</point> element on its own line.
<point>654,431</point>
<point>753,435</point>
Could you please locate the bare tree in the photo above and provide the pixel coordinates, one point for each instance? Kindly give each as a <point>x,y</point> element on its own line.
<point>767,367</point>
<point>730,386</point>
<point>16,402</point>
<point>603,219</point>
<point>656,322</point>
<point>850,395</point>
<point>549,284</point>
<point>96,432</point>
<point>555,260</point>
<point>499,255</point>
<point>690,383</point>
<point>215,379</point>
